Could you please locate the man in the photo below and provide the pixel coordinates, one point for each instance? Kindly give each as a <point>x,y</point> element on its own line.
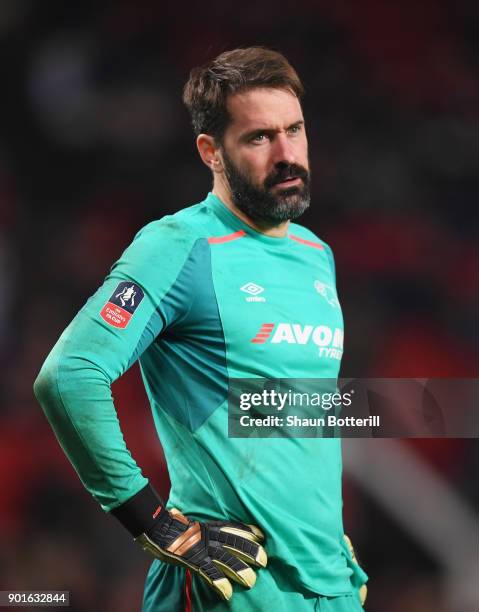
<point>179,301</point>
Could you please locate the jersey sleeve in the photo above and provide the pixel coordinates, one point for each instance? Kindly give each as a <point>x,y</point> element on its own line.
<point>330,256</point>
<point>105,338</point>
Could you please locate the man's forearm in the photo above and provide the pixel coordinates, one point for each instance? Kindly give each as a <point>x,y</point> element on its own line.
<point>75,395</point>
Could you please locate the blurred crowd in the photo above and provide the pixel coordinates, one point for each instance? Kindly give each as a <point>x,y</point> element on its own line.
<point>95,143</point>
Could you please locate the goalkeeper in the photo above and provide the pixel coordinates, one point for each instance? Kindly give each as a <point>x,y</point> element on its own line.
<point>227,288</point>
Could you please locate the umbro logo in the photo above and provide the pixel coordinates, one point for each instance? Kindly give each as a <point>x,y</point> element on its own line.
<point>254,290</point>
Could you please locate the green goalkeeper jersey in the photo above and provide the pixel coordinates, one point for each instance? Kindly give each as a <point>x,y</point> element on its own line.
<point>200,297</point>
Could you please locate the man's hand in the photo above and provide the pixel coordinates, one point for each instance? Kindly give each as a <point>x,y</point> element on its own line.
<point>218,551</point>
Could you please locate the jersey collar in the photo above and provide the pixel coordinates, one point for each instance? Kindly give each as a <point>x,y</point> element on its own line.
<point>233,221</point>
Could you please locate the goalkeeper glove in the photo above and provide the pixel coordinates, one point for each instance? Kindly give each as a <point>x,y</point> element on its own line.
<point>216,550</point>
<point>363,591</point>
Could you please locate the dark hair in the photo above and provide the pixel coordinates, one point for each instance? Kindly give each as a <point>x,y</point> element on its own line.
<point>208,87</point>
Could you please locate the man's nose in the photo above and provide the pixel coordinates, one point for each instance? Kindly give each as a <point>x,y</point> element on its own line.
<point>283,150</point>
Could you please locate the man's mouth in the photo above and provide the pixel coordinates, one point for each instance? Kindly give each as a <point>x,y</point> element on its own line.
<point>289,182</point>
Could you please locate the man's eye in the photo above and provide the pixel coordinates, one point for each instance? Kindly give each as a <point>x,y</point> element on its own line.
<point>295,129</point>
<point>259,138</point>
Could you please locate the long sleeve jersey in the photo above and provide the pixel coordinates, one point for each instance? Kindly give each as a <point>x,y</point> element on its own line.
<point>198,298</point>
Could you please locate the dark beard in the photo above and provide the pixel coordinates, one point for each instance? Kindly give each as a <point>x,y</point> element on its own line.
<point>260,203</point>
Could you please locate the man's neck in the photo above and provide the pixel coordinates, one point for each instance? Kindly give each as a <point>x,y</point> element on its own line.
<point>278,231</point>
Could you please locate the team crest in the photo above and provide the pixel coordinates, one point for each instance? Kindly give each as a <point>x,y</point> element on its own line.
<point>328,293</point>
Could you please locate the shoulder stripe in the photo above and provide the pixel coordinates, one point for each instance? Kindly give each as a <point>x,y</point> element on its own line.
<point>316,245</point>
<point>227,238</point>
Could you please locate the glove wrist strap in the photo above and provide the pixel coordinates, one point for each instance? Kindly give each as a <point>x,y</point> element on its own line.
<point>141,512</point>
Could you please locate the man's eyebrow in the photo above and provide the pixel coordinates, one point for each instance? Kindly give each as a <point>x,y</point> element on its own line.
<point>257,131</point>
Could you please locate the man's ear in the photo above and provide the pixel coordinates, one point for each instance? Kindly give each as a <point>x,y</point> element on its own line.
<point>209,152</point>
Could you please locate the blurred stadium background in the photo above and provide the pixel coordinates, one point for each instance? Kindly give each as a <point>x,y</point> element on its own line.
<point>95,143</point>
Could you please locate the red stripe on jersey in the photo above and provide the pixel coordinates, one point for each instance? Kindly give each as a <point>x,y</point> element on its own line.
<point>188,604</point>
<point>227,238</point>
<point>316,245</point>
<point>264,333</point>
